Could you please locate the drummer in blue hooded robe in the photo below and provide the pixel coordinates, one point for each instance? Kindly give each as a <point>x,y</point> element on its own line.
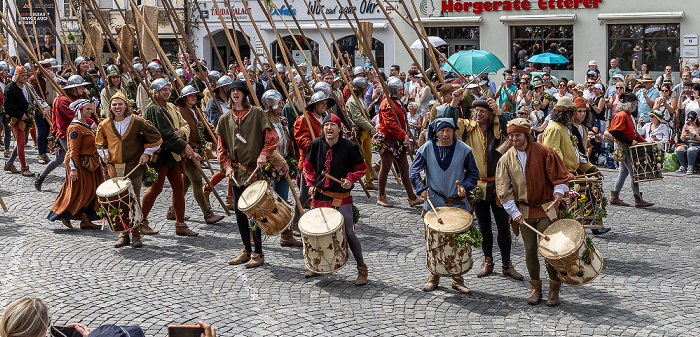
<point>450,173</point>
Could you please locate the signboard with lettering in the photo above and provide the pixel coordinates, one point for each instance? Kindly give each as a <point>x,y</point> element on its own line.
<point>690,39</point>
<point>477,7</point>
<point>365,9</point>
<point>38,18</point>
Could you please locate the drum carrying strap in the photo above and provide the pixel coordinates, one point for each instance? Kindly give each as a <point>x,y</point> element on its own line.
<point>337,197</point>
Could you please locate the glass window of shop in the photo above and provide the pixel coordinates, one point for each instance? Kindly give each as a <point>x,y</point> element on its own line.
<point>297,55</point>
<point>456,38</point>
<point>527,41</point>
<point>656,45</point>
<point>349,45</point>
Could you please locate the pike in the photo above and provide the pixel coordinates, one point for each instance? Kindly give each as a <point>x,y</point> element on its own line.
<point>211,39</point>
<point>87,36</point>
<point>301,31</point>
<point>292,36</point>
<point>131,32</point>
<point>64,49</point>
<point>423,38</point>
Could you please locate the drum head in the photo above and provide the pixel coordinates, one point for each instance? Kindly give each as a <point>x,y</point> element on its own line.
<point>113,187</point>
<point>565,236</point>
<point>455,220</point>
<point>320,221</point>
<point>252,194</point>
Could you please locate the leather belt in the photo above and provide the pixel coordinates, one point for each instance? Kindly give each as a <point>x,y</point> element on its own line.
<point>488,179</point>
<point>242,167</point>
<point>337,196</point>
<point>450,201</point>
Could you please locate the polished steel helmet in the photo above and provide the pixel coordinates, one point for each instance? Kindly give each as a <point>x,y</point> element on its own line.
<point>113,71</point>
<point>54,63</point>
<point>319,97</point>
<point>138,67</point>
<point>223,81</point>
<point>360,83</point>
<point>4,66</point>
<point>186,91</point>
<point>251,68</point>
<point>213,76</point>
<point>393,85</point>
<point>271,99</point>
<point>358,70</point>
<point>28,66</point>
<point>279,67</point>
<point>180,72</point>
<point>325,87</point>
<point>240,77</point>
<point>159,84</point>
<point>153,67</point>
<point>78,61</point>
<point>75,81</point>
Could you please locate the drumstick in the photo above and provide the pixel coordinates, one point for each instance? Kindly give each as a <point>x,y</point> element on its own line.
<point>434,210</point>
<point>294,194</point>
<point>536,231</point>
<point>216,194</point>
<point>331,177</point>
<point>132,171</point>
<point>251,176</point>
<point>2,203</point>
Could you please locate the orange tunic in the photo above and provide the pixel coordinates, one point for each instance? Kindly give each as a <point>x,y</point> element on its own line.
<point>77,197</point>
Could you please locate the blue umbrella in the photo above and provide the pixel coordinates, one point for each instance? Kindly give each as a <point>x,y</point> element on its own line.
<point>548,58</point>
<point>472,62</point>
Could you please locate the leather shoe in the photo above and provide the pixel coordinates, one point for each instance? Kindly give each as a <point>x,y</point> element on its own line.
<point>370,186</point>
<point>255,261</point>
<point>598,231</point>
<point>145,229</point>
<point>136,242</point>
<point>512,273</point>
<point>37,182</point>
<point>381,201</point>
<point>241,258</point>
<point>486,268</point>
<point>11,168</point>
<point>458,284</point>
<point>27,173</point>
<point>415,202</point>
<point>310,274</point>
<point>122,241</point>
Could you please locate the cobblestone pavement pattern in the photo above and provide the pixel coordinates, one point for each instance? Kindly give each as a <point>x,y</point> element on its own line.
<point>649,286</point>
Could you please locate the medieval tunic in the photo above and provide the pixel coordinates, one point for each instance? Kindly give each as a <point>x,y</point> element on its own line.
<point>303,136</point>
<point>484,145</point>
<point>126,141</point>
<point>77,197</point>
<point>557,137</point>
<point>443,165</point>
<point>342,160</point>
<point>164,121</point>
<point>540,166</point>
<point>392,128</point>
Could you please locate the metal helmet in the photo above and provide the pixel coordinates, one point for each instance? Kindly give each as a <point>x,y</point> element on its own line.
<point>138,67</point>
<point>28,66</point>
<point>78,61</point>
<point>186,91</point>
<point>360,83</point>
<point>54,63</point>
<point>318,97</point>
<point>251,68</point>
<point>223,81</point>
<point>152,67</point>
<point>270,99</point>
<point>213,76</point>
<point>75,81</point>
<point>180,72</point>
<point>113,71</point>
<point>279,67</point>
<point>394,84</point>
<point>159,84</point>
<point>240,77</point>
<point>4,66</point>
<point>325,87</point>
<point>358,70</point>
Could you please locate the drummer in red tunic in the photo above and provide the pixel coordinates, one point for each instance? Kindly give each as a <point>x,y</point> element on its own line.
<point>531,180</point>
<point>341,159</point>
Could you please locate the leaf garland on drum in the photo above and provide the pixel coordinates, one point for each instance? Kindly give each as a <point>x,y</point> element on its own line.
<point>201,149</point>
<point>657,157</point>
<point>31,112</point>
<point>355,214</point>
<point>380,144</point>
<point>586,256</point>
<point>270,173</point>
<point>134,108</point>
<point>476,195</point>
<point>112,212</point>
<point>252,223</point>
<point>472,237</point>
<point>150,177</point>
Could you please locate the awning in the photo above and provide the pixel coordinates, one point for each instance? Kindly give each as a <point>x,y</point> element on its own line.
<point>538,18</point>
<point>448,21</point>
<point>312,26</point>
<point>641,16</point>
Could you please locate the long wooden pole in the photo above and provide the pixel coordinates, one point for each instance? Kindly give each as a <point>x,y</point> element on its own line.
<point>211,37</point>
<point>64,49</point>
<point>293,37</point>
<point>301,32</point>
<point>216,194</point>
<point>423,38</point>
<point>36,38</point>
<point>87,37</point>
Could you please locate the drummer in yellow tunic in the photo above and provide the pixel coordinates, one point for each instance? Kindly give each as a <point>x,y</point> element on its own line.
<point>531,180</point>
<point>124,141</point>
<point>558,137</point>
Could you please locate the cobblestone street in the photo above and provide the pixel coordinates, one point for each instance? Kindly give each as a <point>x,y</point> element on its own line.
<point>648,287</point>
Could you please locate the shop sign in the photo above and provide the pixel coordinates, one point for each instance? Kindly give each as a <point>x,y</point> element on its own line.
<point>38,19</point>
<point>365,9</point>
<point>690,39</point>
<point>477,7</point>
<point>690,52</point>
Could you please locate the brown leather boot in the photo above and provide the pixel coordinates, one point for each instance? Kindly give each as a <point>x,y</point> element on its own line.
<point>553,298</point>
<point>241,258</point>
<point>229,203</point>
<point>145,229</point>
<point>85,223</point>
<point>287,239</point>
<point>536,293</point>
<point>206,198</point>
<point>615,199</point>
<point>486,268</point>
<point>136,241</point>
<point>361,276</point>
<point>255,261</point>
<point>182,230</point>
<point>10,168</point>
<point>640,203</point>
<point>415,202</point>
<point>512,273</point>
<point>123,240</point>
<point>381,201</point>
<point>171,214</point>
<point>433,281</point>
<point>66,223</point>
<point>211,218</point>
<point>458,284</point>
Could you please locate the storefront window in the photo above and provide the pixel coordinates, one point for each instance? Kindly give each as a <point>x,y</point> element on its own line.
<point>296,53</point>
<point>457,38</point>
<point>349,44</point>
<point>527,41</point>
<point>656,45</point>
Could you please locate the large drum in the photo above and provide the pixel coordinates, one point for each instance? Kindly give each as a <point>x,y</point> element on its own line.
<point>571,252</point>
<point>119,204</point>
<point>585,202</point>
<point>647,162</point>
<point>325,244</point>
<point>261,202</point>
<point>444,257</point>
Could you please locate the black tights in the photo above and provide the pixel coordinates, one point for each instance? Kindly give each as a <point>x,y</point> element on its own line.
<point>483,210</point>
<point>243,226</point>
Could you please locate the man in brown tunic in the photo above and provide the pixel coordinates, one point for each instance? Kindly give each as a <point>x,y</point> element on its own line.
<point>531,180</point>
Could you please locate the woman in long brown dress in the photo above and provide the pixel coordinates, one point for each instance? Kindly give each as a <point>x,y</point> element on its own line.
<point>77,197</point>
